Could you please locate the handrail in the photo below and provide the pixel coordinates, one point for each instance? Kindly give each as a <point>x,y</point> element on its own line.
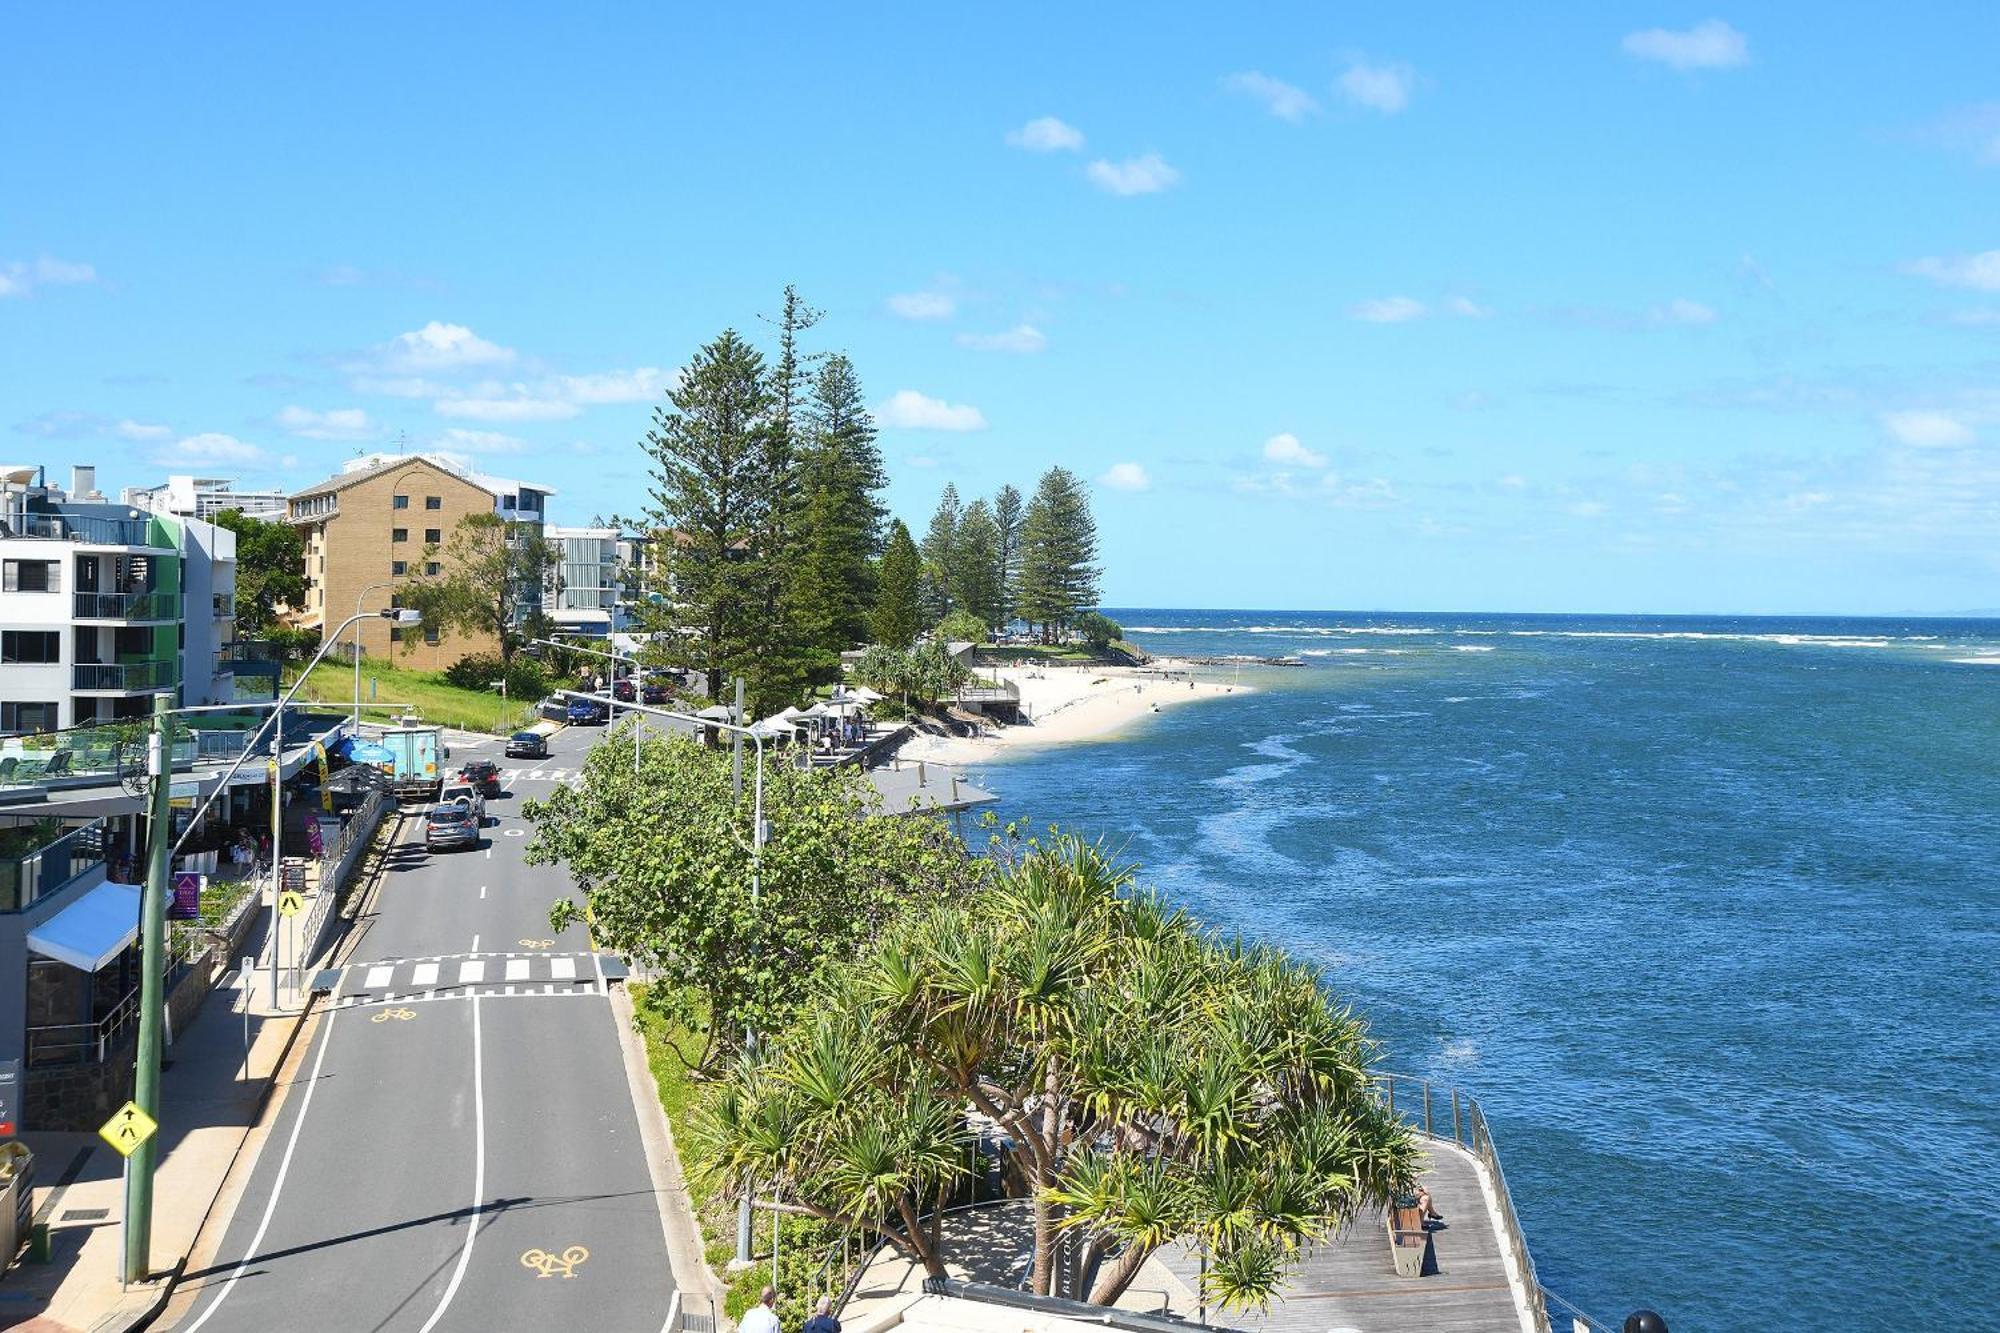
<point>143,604</point>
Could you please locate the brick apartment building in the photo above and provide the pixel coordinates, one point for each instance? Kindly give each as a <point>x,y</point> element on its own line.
<point>366,531</point>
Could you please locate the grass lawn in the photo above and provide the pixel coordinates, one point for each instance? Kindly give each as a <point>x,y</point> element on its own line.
<point>466,710</point>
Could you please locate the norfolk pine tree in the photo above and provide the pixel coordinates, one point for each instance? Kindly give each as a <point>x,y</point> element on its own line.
<point>899,611</point>
<point>1007,529</point>
<point>1058,553</point>
<point>940,551</point>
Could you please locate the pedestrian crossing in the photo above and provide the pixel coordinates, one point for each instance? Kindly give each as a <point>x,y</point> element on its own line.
<point>570,777</point>
<point>414,980</point>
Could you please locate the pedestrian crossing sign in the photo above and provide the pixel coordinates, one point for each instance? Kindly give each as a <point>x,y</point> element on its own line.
<point>291,902</point>
<point>127,1128</point>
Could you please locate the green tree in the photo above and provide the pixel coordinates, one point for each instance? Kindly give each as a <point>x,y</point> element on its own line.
<point>490,573</point>
<point>1058,553</point>
<point>1098,630</point>
<point>663,862</point>
<point>1159,1085</point>
<point>975,565</point>
<point>940,550</point>
<point>898,616</point>
<point>270,570</point>
<point>840,532</point>
<point>961,626</point>
<point>1007,532</point>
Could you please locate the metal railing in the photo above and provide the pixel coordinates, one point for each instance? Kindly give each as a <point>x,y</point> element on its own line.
<point>142,605</point>
<point>82,1043</point>
<point>122,675</point>
<point>84,528</point>
<point>27,878</point>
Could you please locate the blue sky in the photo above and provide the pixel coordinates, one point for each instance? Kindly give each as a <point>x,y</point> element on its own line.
<point>1621,307</point>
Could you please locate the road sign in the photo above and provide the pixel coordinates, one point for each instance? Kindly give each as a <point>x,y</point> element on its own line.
<point>290,902</point>
<point>186,905</point>
<point>293,874</point>
<point>127,1128</point>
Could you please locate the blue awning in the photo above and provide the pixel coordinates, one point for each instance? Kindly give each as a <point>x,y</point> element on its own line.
<point>91,931</point>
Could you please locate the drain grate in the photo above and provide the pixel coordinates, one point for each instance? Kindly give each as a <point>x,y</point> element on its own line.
<point>84,1214</point>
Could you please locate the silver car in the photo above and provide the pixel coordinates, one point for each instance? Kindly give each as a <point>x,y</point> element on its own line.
<point>467,795</point>
<point>449,824</point>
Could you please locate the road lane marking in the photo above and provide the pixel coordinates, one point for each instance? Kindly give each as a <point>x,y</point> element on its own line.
<point>378,977</point>
<point>475,944</point>
<point>536,944</point>
<point>284,1169</point>
<point>546,1264</point>
<point>562,969</point>
<point>482,890</point>
<point>478,1173</point>
<point>425,974</point>
<point>399,1015</point>
<point>471,972</point>
<point>513,833</point>
<point>489,853</point>
<point>517,969</point>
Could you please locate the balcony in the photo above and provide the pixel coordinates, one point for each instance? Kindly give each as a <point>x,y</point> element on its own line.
<point>81,528</point>
<point>128,606</point>
<point>122,678</point>
<point>38,858</point>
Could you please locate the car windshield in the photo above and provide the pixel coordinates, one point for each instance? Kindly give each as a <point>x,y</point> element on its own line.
<point>450,814</point>
<point>526,737</point>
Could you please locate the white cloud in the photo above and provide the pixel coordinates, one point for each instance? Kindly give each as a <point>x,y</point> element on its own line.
<point>1980,272</point>
<point>1927,430</point>
<point>1387,310</point>
<point>63,425</point>
<point>1709,45</point>
<point>923,305</point>
<point>1467,308</point>
<point>1514,481</point>
<point>514,402</point>
<point>138,430</point>
<point>1281,99</point>
<point>1146,174</point>
<point>1126,477</point>
<point>910,410</point>
<point>438,346</point>
<point>1588,509</point>
<point>1680,310</point>
<point>1976,319</point>
<point>645,385</point>
<point>1046,134</point>
<point>19,278</point>
<point>457,439</point>
<point>208,448</point>
<point>1384,88</point>
<point>341,423</point>
<point>1022,338</point>
<point>1286,449</point>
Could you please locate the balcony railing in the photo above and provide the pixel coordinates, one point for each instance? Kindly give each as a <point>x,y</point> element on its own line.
<point>29,872</point>
<point>122,676</point>
<point>128,606</point>
<point>83,528</point>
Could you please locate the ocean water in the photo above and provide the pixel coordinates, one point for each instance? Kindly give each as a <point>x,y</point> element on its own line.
<point>1705,912</point>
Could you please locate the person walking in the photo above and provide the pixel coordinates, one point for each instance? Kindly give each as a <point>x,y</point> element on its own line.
<point>761,1317</point>
<point>822,1320</point>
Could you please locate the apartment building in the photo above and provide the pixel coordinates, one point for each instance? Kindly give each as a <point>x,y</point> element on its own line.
<point>584,592</point>
<point>103,606</point>
<point>367,531</point>
<point>186,496</point>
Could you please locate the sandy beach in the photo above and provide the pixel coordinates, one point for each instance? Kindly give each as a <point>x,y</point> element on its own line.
<point>1067,703</point>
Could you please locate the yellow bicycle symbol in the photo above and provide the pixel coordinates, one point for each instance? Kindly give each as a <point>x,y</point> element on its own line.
<point>537,944</point>
<point>400,1015</point>
<point>548,1265</point>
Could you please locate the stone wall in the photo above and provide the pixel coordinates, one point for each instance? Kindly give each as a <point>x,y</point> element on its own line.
<point>75,1097</point>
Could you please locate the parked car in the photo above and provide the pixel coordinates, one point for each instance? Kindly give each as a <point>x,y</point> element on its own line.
<point>527,745</point>
<point>654,693</point>
<point>483,774</point>
<point>450,824</point>
<point>461,792</point>
<point>624,691</point>
<point>585,712</point>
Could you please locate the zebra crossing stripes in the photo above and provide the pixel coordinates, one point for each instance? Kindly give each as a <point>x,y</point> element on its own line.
<point>410,980</point>
<point>568,776</point>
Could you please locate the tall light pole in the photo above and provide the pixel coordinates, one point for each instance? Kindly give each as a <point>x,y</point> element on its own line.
<point>388,583</point>
<point>638,715</point>
<point>153,928</point>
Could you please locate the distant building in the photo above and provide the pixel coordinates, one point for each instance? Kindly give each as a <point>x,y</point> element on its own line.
<point>103,606</point>
<point>368,528</point>
<point>584,592</point>
<point>204,498</point>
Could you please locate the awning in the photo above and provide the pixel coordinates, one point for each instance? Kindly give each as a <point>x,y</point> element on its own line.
<point>91,931</point>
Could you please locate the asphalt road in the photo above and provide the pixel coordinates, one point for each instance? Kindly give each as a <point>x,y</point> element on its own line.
<point>454,1156</point>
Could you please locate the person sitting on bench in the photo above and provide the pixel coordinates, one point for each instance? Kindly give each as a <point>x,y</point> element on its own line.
<point>1426,1209</point>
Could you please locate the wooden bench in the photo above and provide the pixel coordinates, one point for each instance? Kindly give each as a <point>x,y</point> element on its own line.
<point>1409,1238</point>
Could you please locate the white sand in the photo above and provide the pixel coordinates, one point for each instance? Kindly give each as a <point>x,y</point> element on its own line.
<point>1069,703</point>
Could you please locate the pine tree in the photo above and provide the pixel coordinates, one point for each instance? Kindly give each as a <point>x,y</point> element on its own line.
<point>898,599</point>
<point>940,551</point>
<point>975,563</point>
<point>1007,534</point>
<point>840,471</point>
<point>1058,553</point>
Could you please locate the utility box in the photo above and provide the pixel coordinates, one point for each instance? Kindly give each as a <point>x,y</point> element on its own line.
<point>17,1191</point>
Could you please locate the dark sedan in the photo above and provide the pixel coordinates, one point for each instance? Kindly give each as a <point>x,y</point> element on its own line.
<point>527,745</point>
<point>623,690</point>
<point>654,693</point>
<point>483,774</point>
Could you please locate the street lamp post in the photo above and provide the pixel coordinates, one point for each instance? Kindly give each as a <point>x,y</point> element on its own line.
<point>389,583</point>
<point>153,926</point>
<point>638,716</point>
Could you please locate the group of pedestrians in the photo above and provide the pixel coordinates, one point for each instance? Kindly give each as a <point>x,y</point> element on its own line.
<point>763,1316</point>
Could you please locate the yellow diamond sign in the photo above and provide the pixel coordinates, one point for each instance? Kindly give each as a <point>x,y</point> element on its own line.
<point>291,902</point>
<point>127,1128</point>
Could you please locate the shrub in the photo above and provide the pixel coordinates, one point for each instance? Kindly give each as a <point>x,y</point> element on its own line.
<point>526,678</point>
<point>1099,631</point>
<point>292,645</point>
<point>962,627</point>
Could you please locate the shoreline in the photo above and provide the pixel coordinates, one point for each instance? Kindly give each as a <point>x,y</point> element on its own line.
<point>1062,704</point>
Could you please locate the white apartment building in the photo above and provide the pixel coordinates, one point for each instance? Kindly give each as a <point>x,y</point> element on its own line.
<point>186,496</point>
<point>584,592</point>
<point>103,606</point>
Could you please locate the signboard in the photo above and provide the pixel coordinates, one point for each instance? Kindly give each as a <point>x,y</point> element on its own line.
<point>290,902</point>
<point>183,795</point>
<point>293,876</point>
<point>186,905</point>
<point>10,1097</point>
<point>127,1128</point>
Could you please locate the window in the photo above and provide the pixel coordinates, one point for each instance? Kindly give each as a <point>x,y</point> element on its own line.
<point>400,502</point>
<point>399,534</point>
<point>431,568</point>
<point>433,535</point>
<point>398,568</point>
<point>30,645</point>
<point>431,634</point>
<point>433,502</point>
<point>30,576</point>
<point>395,634</point>
<point>27,717</point>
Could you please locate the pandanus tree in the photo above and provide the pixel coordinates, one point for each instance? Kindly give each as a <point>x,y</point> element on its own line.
<point>1160,1086</point>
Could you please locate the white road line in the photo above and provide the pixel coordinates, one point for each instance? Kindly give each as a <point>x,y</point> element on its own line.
<point>475,944</point>
<point>426,974</point>
<point>471,973</point>
<point>517,969</point>
<point>284,1168</point>
<point>478,1175</point>
<point>378,977</point>
<point>482,890</point>
<point>563,969</point>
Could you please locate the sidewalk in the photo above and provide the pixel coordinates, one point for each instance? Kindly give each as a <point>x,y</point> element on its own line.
<point>209,1103</point>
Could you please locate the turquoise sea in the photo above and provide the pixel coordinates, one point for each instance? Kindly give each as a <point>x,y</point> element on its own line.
<point>1706,912</point>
